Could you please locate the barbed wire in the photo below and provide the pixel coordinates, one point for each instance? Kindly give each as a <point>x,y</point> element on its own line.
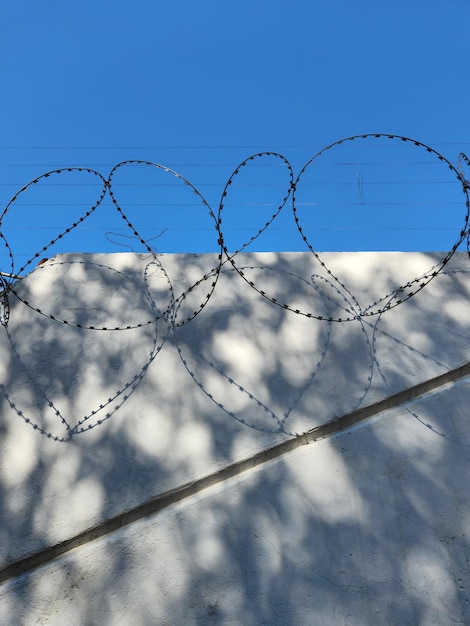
<point>178,301</point>
<point>10,277</point>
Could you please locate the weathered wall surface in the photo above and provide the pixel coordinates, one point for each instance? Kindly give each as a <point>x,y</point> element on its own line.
<point>368,525</point>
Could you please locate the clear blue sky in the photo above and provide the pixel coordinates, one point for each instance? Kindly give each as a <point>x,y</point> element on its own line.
<point>199,86</point>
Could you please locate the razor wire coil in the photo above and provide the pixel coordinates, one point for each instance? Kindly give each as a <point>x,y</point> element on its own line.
<point>227,257</point>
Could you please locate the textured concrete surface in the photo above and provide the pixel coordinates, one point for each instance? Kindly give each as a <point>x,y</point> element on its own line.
<point>368,525</point>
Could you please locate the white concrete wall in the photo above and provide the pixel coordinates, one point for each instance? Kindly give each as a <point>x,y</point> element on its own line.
<point>368,525</point>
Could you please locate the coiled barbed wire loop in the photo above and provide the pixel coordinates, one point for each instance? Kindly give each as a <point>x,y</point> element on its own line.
<point>212,274</point>
<point>406,291</point>
<point>15,274</point>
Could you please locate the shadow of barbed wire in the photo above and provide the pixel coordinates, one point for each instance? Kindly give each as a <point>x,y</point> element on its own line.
<point>290,350</point>
<point>68,356</point>
<point>415,353</point>
<point>343,528</point>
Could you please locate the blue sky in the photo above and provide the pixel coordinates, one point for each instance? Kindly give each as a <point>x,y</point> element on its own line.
<point>201,86</point>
